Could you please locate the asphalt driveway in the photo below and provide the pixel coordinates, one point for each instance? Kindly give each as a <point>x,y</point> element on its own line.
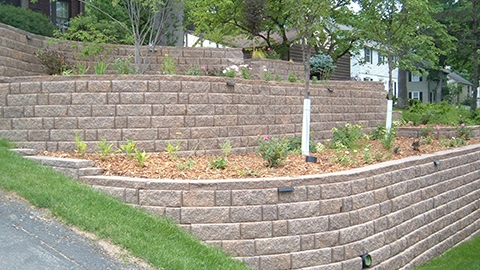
<point>30,239</point>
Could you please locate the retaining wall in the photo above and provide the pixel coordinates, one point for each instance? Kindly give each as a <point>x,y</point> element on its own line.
<point>18,48</point>
<point>44,113</point>
<point>401,212</point>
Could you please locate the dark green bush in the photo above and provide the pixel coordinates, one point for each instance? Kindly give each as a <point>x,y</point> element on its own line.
<point>438,114</point>
<point>25,19</point>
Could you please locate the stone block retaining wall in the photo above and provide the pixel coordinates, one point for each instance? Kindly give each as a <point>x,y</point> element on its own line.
<point>18,48</point>
<point>44,113</point>
<point>401,212</point>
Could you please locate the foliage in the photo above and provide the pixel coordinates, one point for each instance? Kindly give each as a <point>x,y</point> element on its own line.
<point>81,68</point>
<point>91,29</point>
<point>141,158</point>
<point>129,148</point>
<point>348,136</point>
<point>186,165</point>
<point>245,73</point>
<point>437,114</point>
<point>292,78</point>
<point>321,65</point>
<point>81,145</point>
<point>100,67</point>
<point>55,62</point>
<point>196,71</point>
<point>172,150</point>
<point>27,20</point>
<point>389,139</point>
<point>278,78</point>
<point>123,65</point>
<point>168,65</point>
<point>226,148</point>
<point>294,144</point>
<point>464,132</point>
<point>218,163</point>
<point>264,20</point>
<point>105,149</point>
<point>402,34</point>
<point>273,150</point>
<point>267,75</point>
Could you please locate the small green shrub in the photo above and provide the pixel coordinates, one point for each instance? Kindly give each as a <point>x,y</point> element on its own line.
<point>81,145</point>
<point>168,66</point>
<point>464,132</point>
<point>348,136</point>
<point>218,163</point>
<point>26,19</point>
<point>245,73</point>
<point>292,78</point>
<point>273,150</point>
<point>123,65</point>
<point>55,62</point>
<point>267,75</point>
<point>322,66</point>
<point>100,68</point>
<point>105,149</point>
<point>278,78</point>
<point>141,158</point>
<point>81,69</point>
<point>172,150</point>
<point>195,71</point>
<point>128,148</point>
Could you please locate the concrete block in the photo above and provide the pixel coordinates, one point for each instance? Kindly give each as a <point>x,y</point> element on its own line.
<point>217,231</point>
<point>277,245</point>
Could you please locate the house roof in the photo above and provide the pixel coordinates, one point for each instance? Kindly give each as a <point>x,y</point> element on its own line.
<point>459,79</point>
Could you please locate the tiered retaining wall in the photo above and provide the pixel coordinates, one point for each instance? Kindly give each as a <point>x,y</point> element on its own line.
<point>18,48</point>
<point>44,113</point>
<point>401,212</point>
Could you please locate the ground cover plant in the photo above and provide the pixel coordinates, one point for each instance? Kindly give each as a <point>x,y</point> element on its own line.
<point>157,240</point>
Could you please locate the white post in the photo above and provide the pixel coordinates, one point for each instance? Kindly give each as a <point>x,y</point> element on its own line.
<point>306,127</point>
<point>389,115</point>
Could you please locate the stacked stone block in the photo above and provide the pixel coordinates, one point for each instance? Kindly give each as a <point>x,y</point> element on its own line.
<point>44,113</point>
<point>401,212</point>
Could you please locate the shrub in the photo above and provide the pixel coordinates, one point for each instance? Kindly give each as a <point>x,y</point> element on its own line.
<point>273,150</point>
<point>321,66</point>
<point>123,65</point>
<point>348,136</point>
<point>55,62</point>
<point>27,20</point>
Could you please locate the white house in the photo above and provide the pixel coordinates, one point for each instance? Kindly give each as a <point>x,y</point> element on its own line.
<point>370,65</point>
<point>420,88</point>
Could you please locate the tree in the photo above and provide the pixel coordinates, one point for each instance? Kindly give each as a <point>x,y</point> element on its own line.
<point>397,28</point>
<point>270,21</point>
<point>147,23</point>
<point>461,18</point>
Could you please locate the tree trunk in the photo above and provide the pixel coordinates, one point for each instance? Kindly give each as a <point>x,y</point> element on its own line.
<point>402,100</point>
<point>438,88</point>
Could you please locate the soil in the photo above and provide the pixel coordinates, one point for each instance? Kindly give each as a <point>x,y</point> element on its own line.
<point>251,165</point>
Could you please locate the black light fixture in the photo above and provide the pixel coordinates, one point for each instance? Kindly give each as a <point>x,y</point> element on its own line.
<point>436,163</point>
<point>331,90</point>
<point>286,189</point>
<point>366,260</point>
<point>231,83</point>
<point>310,159</point>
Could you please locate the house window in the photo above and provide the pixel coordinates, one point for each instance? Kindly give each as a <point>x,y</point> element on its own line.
<point>415,95</point>
<point>381,58</point>
<point>367,55</point>
<point>62,9</point>
<point>414,78</point>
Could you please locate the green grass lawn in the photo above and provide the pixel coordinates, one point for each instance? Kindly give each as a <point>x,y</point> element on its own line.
<point>157,240</point>
<point>463,257</point>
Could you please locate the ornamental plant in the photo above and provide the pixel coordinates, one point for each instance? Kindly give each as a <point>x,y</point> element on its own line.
<point>322,66</point>
<point>273,150</point>
<point>464,132</point>
<point>123,65</point>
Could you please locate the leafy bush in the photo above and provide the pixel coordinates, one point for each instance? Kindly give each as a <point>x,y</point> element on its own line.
<point>322,66</point>
<point>437,114</point>
<point>25,19</point>
<point>55,62</point>
<point>273,150</point>
<point>348,136</point>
